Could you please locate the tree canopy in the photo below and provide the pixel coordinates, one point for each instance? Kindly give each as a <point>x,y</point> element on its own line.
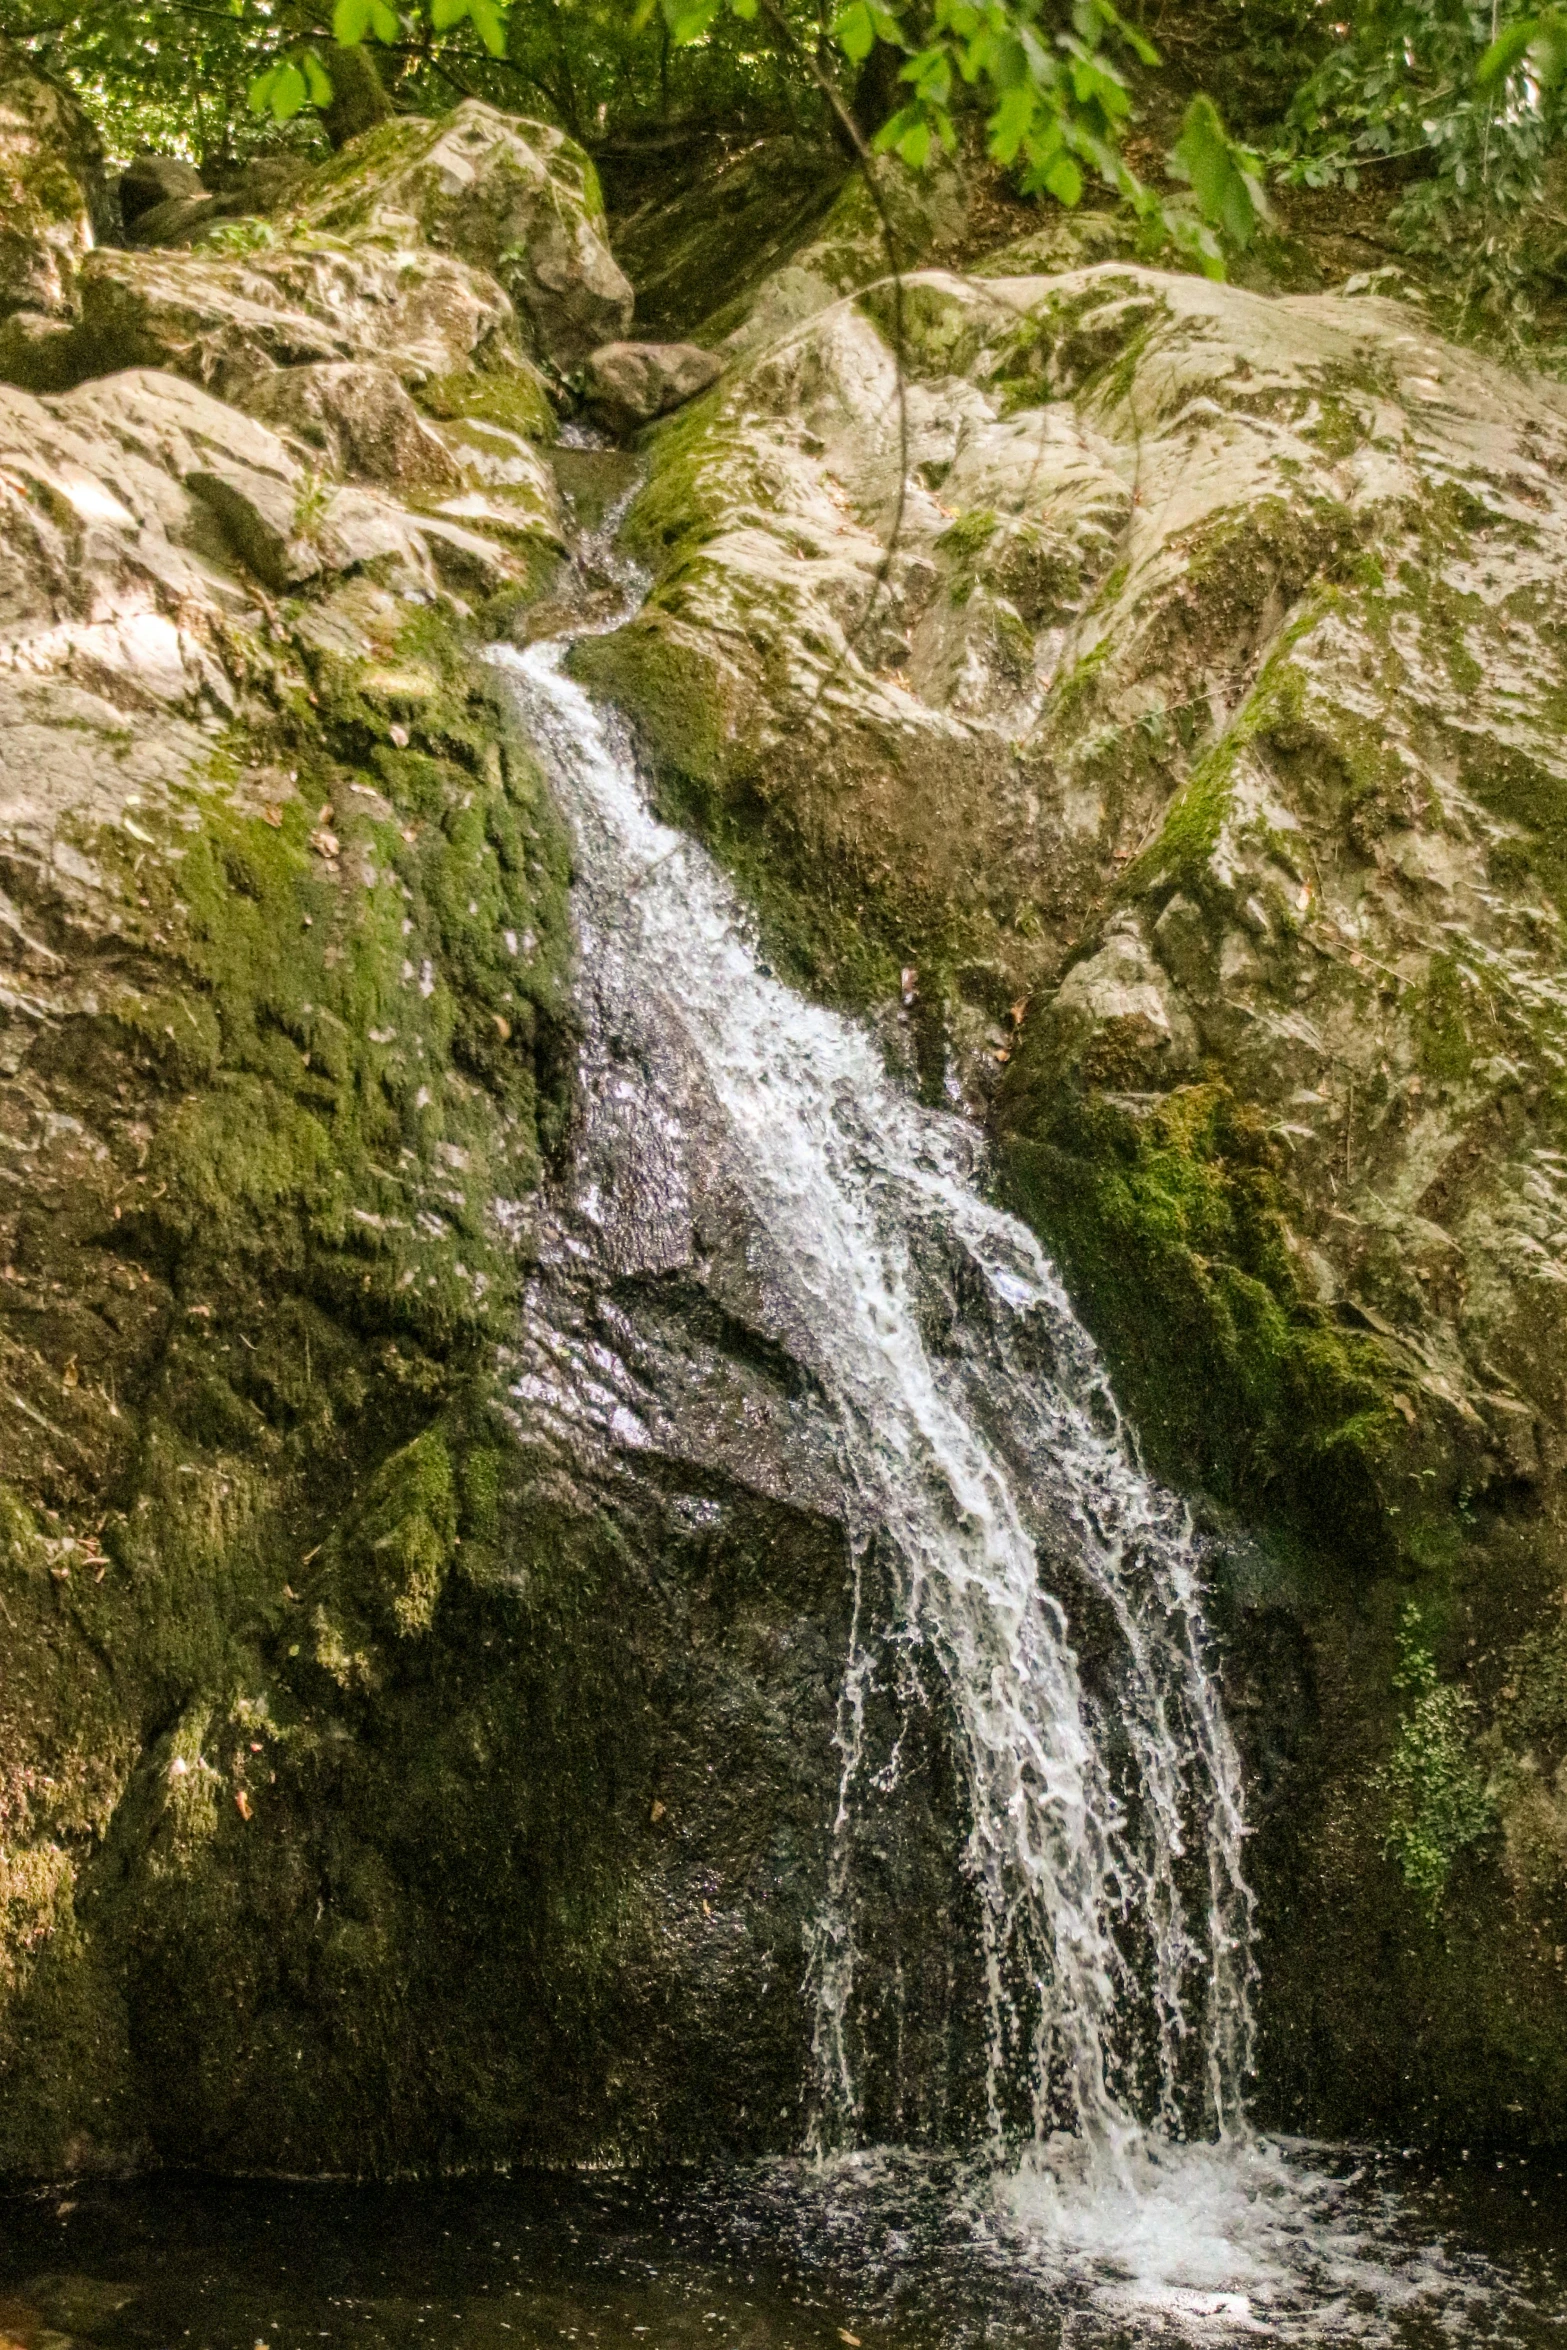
<point>1451,108</point>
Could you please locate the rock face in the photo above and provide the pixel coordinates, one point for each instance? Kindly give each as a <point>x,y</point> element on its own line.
<point>150,181</point>
<point>1194,765</point>
<point>1145,704</point>
<point>517,199</point>
<point>52,194</point>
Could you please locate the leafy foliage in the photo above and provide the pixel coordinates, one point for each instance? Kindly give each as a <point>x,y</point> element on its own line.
<point>1057,99</point>
<point>1461,96</point>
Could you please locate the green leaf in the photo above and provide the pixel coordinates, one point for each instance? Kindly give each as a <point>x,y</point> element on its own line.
<point>288,92</point>
<point>1223,177</point>
<point>489,24</point>
<point>1507,51</point>
<point>1064,180</point>
<point>385,22</point>
<point>317,80</point>
<point>1009,125</point>
<point>894,130</point>
<point>1548,53</point>
<point>686,22</point>
<point>744,9</point>
<point>854,30</point>
<point>914,146</point>
<point>259,95</point>
<point>446,13</point>
<point>350,22</point>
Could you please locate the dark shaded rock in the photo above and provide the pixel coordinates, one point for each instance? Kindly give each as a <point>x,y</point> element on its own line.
<point>694,229</point>
<point>149,181</point>
<point>627,384</point>
<point>174,220</point>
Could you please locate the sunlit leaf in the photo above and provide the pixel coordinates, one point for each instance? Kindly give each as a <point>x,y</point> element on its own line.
<point>688,22</point>
<point>350,22</point>
<point>317,80</point>
<point>914,146</point>
<point>288,92</point>
<point>488,23</point>
<point>854,31</point>
<point>1063,180</point>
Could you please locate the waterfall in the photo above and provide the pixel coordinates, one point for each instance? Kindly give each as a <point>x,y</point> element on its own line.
<point>980,1448</point>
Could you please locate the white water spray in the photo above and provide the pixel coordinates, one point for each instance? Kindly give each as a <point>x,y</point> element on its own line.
<point>979,1441</point>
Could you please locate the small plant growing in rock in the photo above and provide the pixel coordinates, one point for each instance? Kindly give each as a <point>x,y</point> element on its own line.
<point>1439,1796</point>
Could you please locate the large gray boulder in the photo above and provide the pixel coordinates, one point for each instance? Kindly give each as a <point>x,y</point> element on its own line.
<point>516,198</point>
<point>627,384</point>
<point>360,420</point>
<point>223,322</point>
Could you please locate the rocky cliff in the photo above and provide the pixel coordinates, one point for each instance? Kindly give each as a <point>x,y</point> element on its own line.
<point>1139,697</point>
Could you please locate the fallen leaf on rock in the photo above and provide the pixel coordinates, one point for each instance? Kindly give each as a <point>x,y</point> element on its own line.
<point>325,844</point>
<point>242,1804</point>
<point>657,1811</point>
<point>70,1374</point>
<point>399,735</point>
<point>272,815</point>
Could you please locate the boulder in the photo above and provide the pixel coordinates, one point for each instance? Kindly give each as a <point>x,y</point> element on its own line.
<point>359,420</point>
<point>53,201</point>
<point>693,235</point>
<point>515,198</point>
<point>150,181</point>
<point>176,220</point>
<point>223,322</point>
<point>627,384</point>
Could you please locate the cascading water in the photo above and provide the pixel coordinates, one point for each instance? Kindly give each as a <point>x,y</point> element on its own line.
<point>978,1443</point>
<point>1044,1589</point>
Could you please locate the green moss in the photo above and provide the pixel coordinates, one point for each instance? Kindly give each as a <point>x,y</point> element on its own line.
<point>512,397</point>
<point>1172,1231</point>
<point>1442,1022</point>
<point>337,1064</point>
<point>1439,1802</point>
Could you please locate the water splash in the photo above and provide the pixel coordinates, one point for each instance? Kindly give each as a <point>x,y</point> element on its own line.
<point>979,1443</point>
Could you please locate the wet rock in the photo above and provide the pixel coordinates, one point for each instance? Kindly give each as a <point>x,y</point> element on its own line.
<point>627,384</point>
<point>1186,720</point>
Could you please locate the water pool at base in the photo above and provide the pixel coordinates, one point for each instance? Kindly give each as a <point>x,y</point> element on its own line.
<point>1289,2244</point>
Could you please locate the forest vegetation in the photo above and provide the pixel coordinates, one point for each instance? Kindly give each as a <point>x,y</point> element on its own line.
<point>1435,121</point>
